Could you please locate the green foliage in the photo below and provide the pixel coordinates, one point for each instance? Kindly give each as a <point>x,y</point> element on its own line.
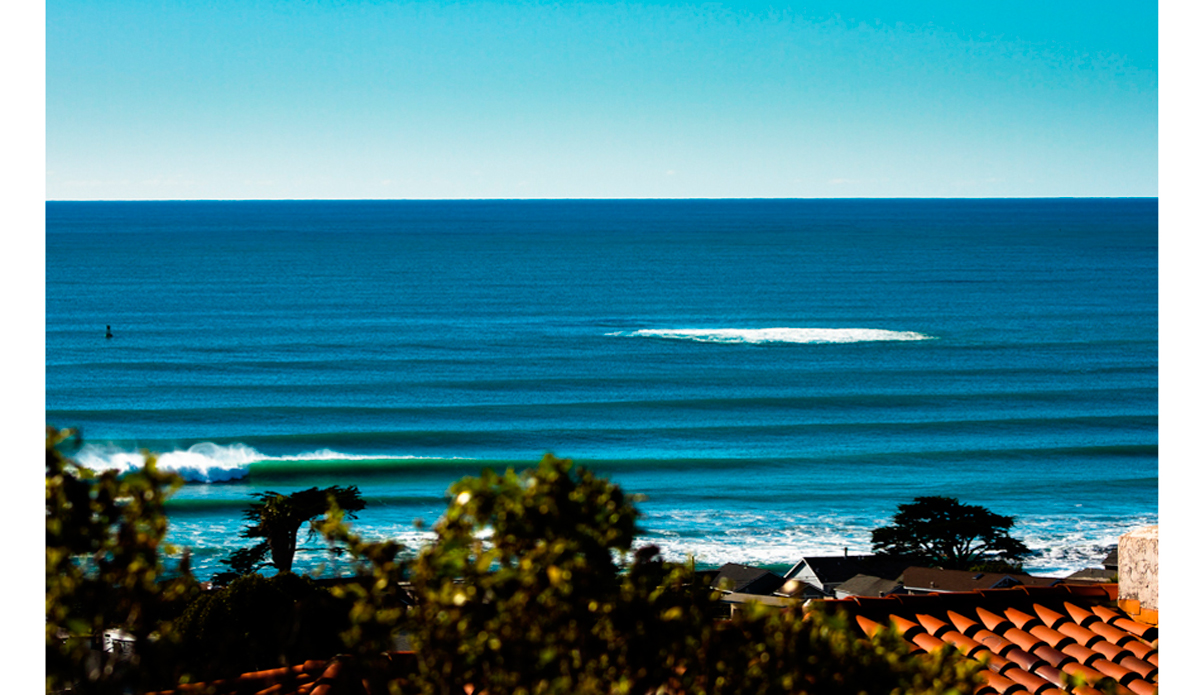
<point>528,589</point>
<point>104,534</point>
<point>377,601</point>
<point>258,623</point>
<point>277,518</point>
<point>944,532</point>
<point>789,652</point>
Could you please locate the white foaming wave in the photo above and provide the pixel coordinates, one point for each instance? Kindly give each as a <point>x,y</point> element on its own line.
<point>757,336</point>
<point>200,463</point>
<point>1061,545</point>
<point>206,462</point>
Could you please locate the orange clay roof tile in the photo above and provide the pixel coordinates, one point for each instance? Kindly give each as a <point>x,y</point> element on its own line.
<point>1054,638</point>
<point>905,627</point>
<point>999,684</point>
<point>1031,682</point>
<point>1020,619</point>
<point>1145,669</point>
<point>870,627</point>
<point>1046,633</point>
<point>1050,618</point>
<point>994,622</point>
<point>1105,613</point>
<point>1052,656</point>
<point>1051,674</point>
<point>1022,639</point>
<point>928,642</point>
<point>1143,688</point>
<point>1025,660</point>
<point>1142,630</point>
<point>1080,615</point>
<point>1112,633</point>
<point>932,625</point>
<point>964,644</point>
<point>1081,635</point>
<point>963,624</point>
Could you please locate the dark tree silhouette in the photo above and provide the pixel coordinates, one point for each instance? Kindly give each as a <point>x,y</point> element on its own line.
<point>946,533</point>
<point>277,518</point>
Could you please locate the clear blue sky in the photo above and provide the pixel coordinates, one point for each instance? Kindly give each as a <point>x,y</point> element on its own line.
<point>167,99</point>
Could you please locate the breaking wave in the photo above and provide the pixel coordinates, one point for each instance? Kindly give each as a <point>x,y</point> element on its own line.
<point>207,462</point>
<point>758,336</point>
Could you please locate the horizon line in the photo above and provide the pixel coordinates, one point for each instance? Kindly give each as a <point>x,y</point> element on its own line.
<point>566,199</point>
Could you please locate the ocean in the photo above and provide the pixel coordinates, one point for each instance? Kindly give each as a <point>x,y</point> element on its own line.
<point>773,377</point>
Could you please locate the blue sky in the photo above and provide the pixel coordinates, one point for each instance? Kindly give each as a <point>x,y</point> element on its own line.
<point>162,99</point>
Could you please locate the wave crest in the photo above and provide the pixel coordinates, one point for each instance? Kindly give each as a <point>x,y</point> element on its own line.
<point>776,335</point>
<point>204,462</point>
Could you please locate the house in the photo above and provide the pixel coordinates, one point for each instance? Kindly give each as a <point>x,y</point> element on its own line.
<point>828,572</point>
<point>1031,637</point>
<point>744,579</point>
<point>866,585</point>
<point>926,580</point>
<point>1108,572</point>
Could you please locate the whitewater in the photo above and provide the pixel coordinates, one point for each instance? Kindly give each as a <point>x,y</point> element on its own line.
<point>772,378</point>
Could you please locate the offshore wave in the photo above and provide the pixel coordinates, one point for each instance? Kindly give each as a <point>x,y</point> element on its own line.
<point>759,336</point>
<point>207,462</point>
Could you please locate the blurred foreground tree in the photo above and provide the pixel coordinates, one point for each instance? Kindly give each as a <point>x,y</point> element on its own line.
<point>528,589</point>
<point>104,536</point>
<point>946,533</point>
<point>277,518</point>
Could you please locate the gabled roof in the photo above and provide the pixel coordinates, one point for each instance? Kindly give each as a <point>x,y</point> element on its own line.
<point>835,569</point>
<point>1110,561</point>
<point>1092,574</point>
<point>1030,637</point>
<point>929,579</point>
<point>866,585</point>
<point>744,579</point>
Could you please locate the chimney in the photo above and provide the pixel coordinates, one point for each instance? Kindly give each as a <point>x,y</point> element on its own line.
<point>845,552</point>
<point>1137,574</point>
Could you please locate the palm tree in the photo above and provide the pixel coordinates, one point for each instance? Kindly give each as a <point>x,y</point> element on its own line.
<point>277,518</point>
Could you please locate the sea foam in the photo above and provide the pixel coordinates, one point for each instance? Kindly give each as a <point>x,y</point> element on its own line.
<point>207,462</point>
<point>775,335</point>
<point>204,462</point>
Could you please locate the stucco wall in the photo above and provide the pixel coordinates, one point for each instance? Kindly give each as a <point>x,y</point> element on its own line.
<point>1137,572</point>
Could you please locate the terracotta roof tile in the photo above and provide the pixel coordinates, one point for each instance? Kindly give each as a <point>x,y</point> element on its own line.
<point>1147,632</point>
<point>1020,619</point>
<point>1050,618</point>
<point>932,625</point>
<point>906,627</point>
<point>1031,638</point>
<point>963,624</point>
<point>1054,638</point>
<point>1052,656</point>
<point>1106,614</point>
<point>1025,660</point>
<point>994,622</point>
<point>997,644</point>
<point>1031,682</point>
<point>1081,635</point>
<point>964,644</point>
<point>1079,615</point>
<point>1112,633</point>
<point>999,684</point>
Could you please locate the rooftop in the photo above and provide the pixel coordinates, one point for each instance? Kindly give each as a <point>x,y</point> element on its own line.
<point>1029,637</point>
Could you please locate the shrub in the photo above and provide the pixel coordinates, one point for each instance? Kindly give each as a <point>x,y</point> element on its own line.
<point>529,589</point>
<point>257,623</point>
<point>104,534</point>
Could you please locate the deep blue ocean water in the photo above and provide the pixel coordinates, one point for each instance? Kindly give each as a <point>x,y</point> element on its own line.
<point>775,376</point>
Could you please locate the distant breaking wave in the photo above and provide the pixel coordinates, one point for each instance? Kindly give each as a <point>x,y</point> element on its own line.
<point>207,462</point>
<point>776,335</point>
